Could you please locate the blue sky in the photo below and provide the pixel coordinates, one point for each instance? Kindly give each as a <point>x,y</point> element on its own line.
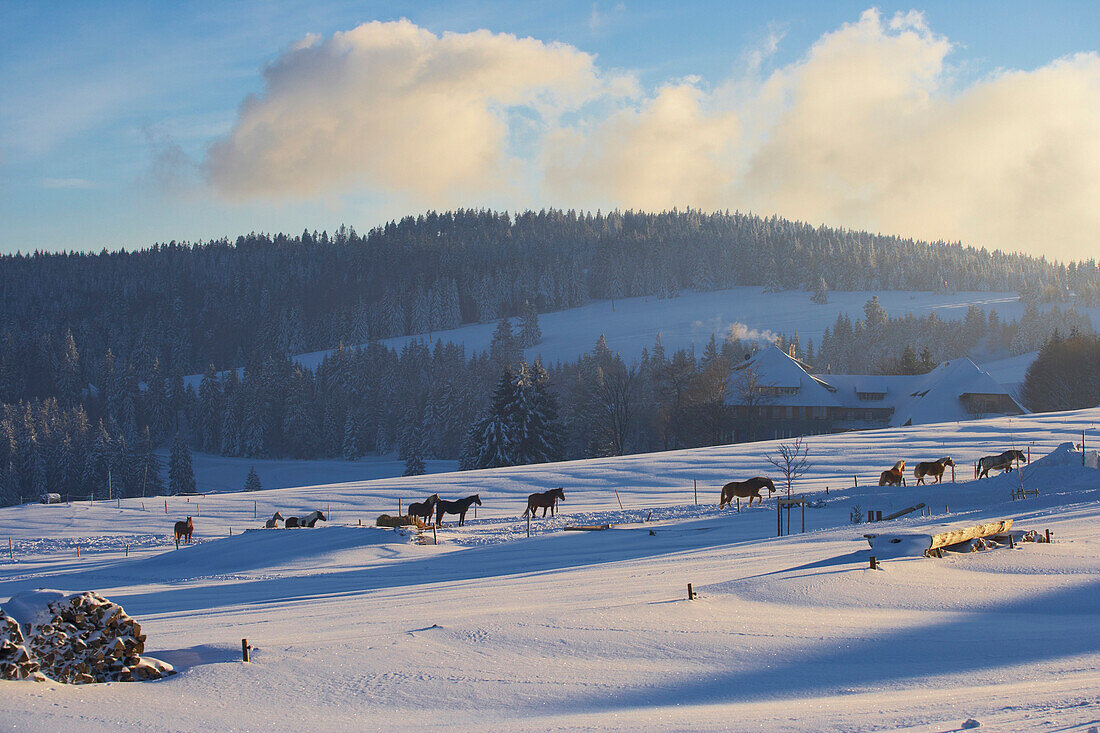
<point>120,126</point>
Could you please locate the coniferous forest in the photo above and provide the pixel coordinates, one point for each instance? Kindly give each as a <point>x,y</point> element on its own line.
<point>95,346</point>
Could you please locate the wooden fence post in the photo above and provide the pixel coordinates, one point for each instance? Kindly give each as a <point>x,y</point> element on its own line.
<point>695,488</point>
<point>691,593</point>
<point>874,562</point>
<point>529,525</point>
<point>245,649</point>
<point>165,506</point>
<point>620,500</point>
<point>11,553</point>
<point>255,508</point>
<point>856,480</point>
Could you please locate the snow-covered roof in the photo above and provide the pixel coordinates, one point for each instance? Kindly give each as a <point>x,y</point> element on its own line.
<point>936,395</point>
<point>776,369</point>
<point>941,395</point>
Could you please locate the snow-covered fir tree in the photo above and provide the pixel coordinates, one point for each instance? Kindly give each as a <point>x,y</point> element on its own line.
<point>252,481</point>
<point>522,425</point>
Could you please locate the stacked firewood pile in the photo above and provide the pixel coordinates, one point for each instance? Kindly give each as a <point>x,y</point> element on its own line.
<point>86,638</point>
<point>16,662</point>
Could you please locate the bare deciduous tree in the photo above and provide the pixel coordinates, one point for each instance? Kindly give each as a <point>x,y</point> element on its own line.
<point>792,460</point>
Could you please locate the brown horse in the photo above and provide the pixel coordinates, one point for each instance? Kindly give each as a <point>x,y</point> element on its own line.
<point>546,500</point>
<point>932,468</point>
<point>184,529</point>
<point>894,476</point>
<point>273,523</point>
<point>742,489</point>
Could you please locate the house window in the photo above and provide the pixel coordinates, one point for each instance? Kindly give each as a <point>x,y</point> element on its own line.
<point>871,396</point>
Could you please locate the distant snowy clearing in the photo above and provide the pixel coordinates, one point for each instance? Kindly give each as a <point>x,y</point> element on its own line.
<point>690,319</point>
<point>366,628</point>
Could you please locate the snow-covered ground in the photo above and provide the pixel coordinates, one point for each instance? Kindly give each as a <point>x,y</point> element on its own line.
<point>358,627</point>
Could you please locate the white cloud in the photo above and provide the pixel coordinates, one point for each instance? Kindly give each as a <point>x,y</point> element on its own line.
<point>670,152</point>
<point>870,129</point>
<point>394,107</point>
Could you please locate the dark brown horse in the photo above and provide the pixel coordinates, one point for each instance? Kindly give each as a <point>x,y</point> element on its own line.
<point>934,469</point>
<point>424,509</point>
<point>459,507</point>
<point>742,489</point>
<point>545,500</point>
<point>184,530</point>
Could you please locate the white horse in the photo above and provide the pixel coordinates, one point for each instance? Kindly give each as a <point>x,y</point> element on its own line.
<point>1003,462</point>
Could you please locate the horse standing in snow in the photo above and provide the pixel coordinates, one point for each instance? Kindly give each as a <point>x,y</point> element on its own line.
<point>273,523</point>
<point>932,468</point>
<point>894,476</point>
<point>310,520</point>
<point>545,500</point>
<point>184,530</point>
<point>742,489</point>
<point>1002,462</point>
<point>459,507</point>
<point>424,509</point>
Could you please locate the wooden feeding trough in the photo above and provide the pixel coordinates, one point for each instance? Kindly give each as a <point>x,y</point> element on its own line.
<point>932,545</point>
<point>587,528</point>
<point>956,536</point>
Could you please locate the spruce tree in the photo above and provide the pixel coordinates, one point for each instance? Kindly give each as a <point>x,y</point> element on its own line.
<point>252,481</point>
<point>181,477</point>
<point>147,476</point>
<point>530,333</point>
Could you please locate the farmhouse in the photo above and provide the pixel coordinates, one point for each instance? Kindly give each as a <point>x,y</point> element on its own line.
<point>780,391</point>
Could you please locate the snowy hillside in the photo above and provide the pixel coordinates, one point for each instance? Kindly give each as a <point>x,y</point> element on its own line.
<point>570,630</point>
<point>689,320</point>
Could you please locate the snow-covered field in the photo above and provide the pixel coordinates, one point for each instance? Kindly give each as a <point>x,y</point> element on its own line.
<point>689,320</point>
<point>363,628</point>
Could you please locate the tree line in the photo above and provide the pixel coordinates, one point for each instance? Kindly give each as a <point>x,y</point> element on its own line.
<point>171,309</point>
<point>434,400</point>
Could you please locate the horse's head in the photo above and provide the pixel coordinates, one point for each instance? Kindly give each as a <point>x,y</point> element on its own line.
<point>1020,456</point>
<point>321,516</point>
<point>947,461</point>
<point>559,492</point>
<point>434,498</point>
<point>189,523</point>
<point>279,516</point>
<point>769,485</point>
<point>477,499</point>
